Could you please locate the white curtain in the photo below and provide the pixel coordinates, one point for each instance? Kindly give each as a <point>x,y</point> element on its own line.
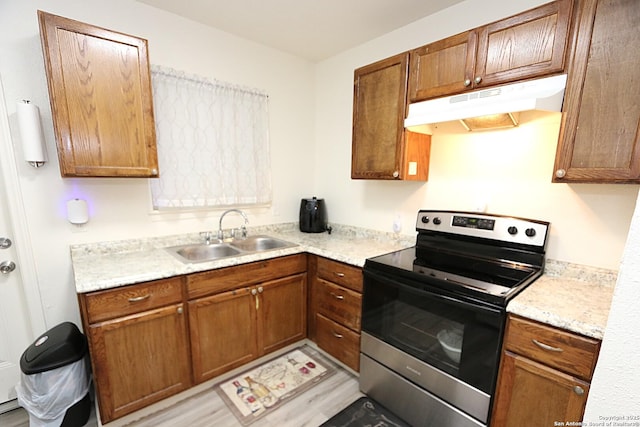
<point>213,142</point>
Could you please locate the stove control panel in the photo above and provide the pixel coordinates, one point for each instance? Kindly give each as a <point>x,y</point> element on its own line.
<point>495,227</point>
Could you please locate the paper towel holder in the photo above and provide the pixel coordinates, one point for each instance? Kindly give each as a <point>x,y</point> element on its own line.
<point>31,134</point>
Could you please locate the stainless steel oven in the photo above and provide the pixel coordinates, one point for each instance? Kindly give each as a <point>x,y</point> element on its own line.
<point>433,315</point>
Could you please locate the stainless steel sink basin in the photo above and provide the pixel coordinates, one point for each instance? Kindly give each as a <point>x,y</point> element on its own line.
<point>202,252</point>
<point>259,243</point>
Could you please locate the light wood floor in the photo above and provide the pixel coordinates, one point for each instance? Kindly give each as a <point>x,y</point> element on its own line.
<point>206,408</point>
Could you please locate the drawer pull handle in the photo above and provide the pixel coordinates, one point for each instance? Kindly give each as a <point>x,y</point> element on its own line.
<point>578,390</point>
<point>337,335</point>
<point>339,274</point>
<point>140,298</point>
<point>338,297</point>
<point>547,347</point>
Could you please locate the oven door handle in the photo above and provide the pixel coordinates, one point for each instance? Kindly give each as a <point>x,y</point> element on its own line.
<point>420,290</point>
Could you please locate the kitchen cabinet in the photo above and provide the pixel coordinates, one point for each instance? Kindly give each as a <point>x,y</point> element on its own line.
<point>600,131</point>
<point>100,94</point>
<point>237,314</point>
<point>336,310</point>
<point>544,376</point>
<point>528,45</point>
<point>381,147</point>
<point>138,345</point>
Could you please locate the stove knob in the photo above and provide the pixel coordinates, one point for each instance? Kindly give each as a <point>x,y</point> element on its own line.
<point>425,219</point>
<point>530,232</point>
<point>437,221</point>
<point>512,230</point>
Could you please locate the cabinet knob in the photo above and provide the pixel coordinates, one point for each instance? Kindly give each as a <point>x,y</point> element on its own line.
<point>254,291</point>
<point>260,289</point>
<point>180,310</point>
<point>477,80</point>
<point>467,82</point>
<point>578,390</point>
<point>396,174</point>
<point>154,171</point>
<point>560,173</point>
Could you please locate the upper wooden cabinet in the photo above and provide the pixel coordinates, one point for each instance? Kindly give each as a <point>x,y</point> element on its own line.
<point>381,148</point>
<point>600,131</point>
<point>100,93</point>
<point>528,45</point>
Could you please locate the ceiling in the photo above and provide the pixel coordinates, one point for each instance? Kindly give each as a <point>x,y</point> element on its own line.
<point>311,29</point>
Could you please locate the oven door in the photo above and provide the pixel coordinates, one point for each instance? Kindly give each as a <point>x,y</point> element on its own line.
<point>458,341</point>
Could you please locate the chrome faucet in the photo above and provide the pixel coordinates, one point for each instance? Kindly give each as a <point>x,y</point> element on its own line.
<point>244,227</point>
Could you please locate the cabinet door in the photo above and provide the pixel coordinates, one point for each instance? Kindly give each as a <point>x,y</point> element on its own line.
<point>139,359</point>
<point>223,333</point>
<point>281,306</point>
<point>533,392</point>
<point>600,133</point>
<point>443,68</point>
<point>379,103</point>
<point>530,44</point>
<point>100,94</point>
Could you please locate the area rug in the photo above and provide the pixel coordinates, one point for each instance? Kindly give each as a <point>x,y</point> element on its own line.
<point>258,391</point>
<point>365,412</point>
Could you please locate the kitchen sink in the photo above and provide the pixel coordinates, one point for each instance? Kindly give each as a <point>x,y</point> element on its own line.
<point>203,252</point>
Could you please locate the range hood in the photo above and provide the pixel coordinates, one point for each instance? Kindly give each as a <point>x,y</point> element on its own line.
<point>542,94</point>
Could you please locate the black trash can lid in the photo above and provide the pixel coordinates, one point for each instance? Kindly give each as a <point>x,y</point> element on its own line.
<point>59,346</point>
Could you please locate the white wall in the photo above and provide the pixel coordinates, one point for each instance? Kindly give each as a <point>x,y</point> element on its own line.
<point>508,170</point>
<point>120,208</point>
<point>614,389</point>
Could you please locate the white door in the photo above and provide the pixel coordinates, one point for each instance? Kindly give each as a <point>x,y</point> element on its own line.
<point>19,316</point>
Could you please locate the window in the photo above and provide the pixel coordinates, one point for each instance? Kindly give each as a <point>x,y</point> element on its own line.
<point>213,142</point>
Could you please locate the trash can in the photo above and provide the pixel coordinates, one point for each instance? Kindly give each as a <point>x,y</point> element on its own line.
<point>54,385</point>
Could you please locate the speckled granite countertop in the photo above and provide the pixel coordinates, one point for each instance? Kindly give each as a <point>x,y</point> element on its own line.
<point>568,296</point>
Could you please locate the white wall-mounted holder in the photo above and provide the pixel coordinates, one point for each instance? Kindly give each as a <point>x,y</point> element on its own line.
<point>77,211</point>
<point>33,146</point>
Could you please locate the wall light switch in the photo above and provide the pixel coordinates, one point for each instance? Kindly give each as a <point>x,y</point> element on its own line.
<point>413,168</point>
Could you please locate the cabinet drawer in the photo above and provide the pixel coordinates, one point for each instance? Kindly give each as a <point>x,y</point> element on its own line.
<point>339,304</point>
<point>340,273</point>
<point>338,341</point>
<point>565,351</point>
<point>122,301</point>
<point>224,279</point>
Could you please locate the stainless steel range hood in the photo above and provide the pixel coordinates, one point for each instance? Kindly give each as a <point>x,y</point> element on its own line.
<point>542,94</point>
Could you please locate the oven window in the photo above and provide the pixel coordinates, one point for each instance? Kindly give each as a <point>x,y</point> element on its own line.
<point>455,337</point>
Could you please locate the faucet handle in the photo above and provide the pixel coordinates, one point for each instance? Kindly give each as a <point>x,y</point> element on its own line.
<point>207,236</point>
<point>244,231</point>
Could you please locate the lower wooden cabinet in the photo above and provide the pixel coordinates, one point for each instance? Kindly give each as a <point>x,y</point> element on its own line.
<point>140,354</point>
<point>544,375</point>
<point>264,310</point>
<point>336,309</point>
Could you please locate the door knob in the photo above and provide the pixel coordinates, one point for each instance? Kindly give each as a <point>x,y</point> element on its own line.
<point>5,243</point>
<point>7,267</point>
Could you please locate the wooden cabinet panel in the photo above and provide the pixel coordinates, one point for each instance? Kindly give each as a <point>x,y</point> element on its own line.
<point>600,132</point>
<point>530,391</point>
<point>223,333</point>
<point>381,148</point>
<point>561,350</point>
<point>442,68</point>
<point>340,273</point>
<point>340,304</point>
<point>223,279</point>
<point>340,342</point>
<point>112,303</point>
<point>139,359</point>
<point>100,93</point>
<point>544,375</point>
<point>528,45</point>
<point>282,309</point>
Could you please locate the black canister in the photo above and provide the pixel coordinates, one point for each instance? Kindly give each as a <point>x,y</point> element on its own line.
<point>313,216</point>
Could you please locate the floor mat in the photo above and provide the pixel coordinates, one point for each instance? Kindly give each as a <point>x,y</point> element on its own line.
<point>258,391</point>
<point>365,412</point>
